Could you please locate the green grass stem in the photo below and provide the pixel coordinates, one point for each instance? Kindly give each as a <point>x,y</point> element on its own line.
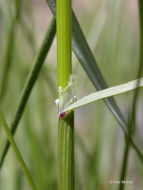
<point>66,152</point>
<point>65,125</point>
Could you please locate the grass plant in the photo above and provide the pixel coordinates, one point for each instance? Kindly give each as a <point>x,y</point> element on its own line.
<point>84,155</point>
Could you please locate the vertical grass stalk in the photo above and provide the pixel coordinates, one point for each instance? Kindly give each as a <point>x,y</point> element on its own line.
<point>66,124</point>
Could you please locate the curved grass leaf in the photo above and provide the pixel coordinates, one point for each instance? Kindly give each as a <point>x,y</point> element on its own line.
<point>112,91</point>
<point>88,62</point>
<point>17,153</point>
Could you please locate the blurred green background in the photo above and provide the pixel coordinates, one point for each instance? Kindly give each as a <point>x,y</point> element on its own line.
<point>112,31</point>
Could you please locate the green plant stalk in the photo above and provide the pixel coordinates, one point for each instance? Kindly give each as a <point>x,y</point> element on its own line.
<point>132,118</point>
<point>63,41</point>
<point>33,75</point>
<point>9,49</point>
<point>88,62</point>
<point>66,152</point>
<point>17,153</point>
<point>66,124</point>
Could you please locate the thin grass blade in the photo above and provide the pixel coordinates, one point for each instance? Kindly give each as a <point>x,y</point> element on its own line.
<point>17,152</point>
<point>33,75</point>
<point>112,91</point>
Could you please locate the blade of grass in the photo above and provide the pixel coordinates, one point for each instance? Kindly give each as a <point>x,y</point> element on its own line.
<point>66,124</point>
<point>112,91</point>
<point>132,117</point>
<point>17,153</point>
<point>88,62</point>
<point>9,49</point>
<point>33,75</point>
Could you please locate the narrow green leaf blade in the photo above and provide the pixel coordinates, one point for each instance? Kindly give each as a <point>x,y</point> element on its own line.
<point>32,78</point>
<point>112,91</point>
<point>17,152</point>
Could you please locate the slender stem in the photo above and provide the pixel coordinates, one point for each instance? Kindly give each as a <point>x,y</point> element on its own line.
<point>17,153</point>
<point>65,125</point>
<point>66,152</point>
<point>64,41</point>
<point>33,75</point>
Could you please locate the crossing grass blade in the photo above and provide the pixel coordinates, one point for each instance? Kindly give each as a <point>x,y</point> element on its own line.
<point>89,64</point>
<point>17,153</point>
<point>33,75</point>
